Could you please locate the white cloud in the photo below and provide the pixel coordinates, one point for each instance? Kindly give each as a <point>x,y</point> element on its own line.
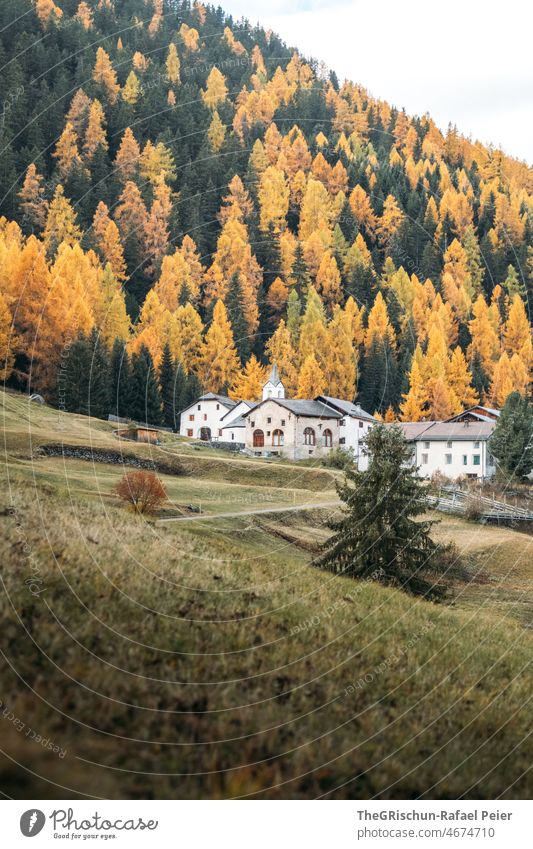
<point>467,63</point>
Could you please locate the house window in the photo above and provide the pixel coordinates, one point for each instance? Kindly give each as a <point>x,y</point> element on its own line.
<point>311,450</point>
<point>309,436</point>
<point>191,418</point>
<point>268,433</point>
<point>342,422</point>
<point>328,438</point>
<point>277,437</point>
<point>220,432</point>
<point>269,420</point>
<point>205,417</point>
<point>218,406</point>
<point>189,432</point>
<point>449,444</point>
<point>476,444</point>
<point>233,435</point>
<point>448,459</point>
<point>342,440</point>
<point>426,444</point>
<point>424,459</point>
<point>259,438</point>
<point>465,460</point>
<point>252,424</point>
<point>477,459</point>
<point>360,424</point>
<point>283,422</point>
<point>199,406</point>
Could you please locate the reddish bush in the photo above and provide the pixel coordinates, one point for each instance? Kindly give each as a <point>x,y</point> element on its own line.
<point>143,490</point>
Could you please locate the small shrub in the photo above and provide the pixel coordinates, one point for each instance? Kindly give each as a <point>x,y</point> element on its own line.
<point>473,508</point>
<point>142,490</point>
<point>338,458</point>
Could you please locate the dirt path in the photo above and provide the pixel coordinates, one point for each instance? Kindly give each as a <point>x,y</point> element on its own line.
<point>264,510</point>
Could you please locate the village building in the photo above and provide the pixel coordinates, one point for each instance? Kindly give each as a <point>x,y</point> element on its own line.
<point>233,424</point>
<point>454,449</point>
<point>296,429</point>
<point>353,427</point>
<point>203,418</point>
<point>476,414</point>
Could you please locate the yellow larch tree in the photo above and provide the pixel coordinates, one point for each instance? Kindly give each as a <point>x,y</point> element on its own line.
<point>156,228</point>
<point>152,329</point>
<point>249,383</point>
<point>132,89</point>
<point>156,163</point>
<point>173,65</point>
<point>186,338</point>
<point>277,297</point>
<point>127,158</point>
<point>281,352</point>
<point>328,280</point>
<point>48,12</point>
<point>61,223</point>
<point>221,362</point>
<point>485,341</point>
<point>78,112</point>
<point>8,341</point>
<point>379,327</point>
<point>362,210</point>
<point>460,382</point>
<point>107,238</point>
<point>31,198</point>
<point>67,153</point>
<point>390,221</point>
<point>316,211</point>
<point>216,89</point>
<point>216,134</point>
<point>517,332</point>
<point>440,400</point>
<point>85,15</point>
<point>311,379</point>
<point>340,369</point>
<point>95,135</point>
<point>273,199</point>
<point>415,403</point>
<point>112,319</point>
<point>105,75</point>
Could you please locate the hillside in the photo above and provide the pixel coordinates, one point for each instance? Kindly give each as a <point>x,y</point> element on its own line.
<point>209,659</point>
<point>204,200</point>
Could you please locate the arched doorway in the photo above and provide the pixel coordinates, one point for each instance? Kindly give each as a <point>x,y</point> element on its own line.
<point>205,434</point>
<point>277,437</point>
<point>259,439</point>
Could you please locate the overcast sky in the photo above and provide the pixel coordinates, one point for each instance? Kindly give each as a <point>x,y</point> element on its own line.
<point>464,61</point>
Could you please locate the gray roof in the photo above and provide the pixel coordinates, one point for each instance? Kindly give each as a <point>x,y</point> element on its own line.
<point>249,404</point>
<point>274,377</point>
<point>444,431</point>
<point>240,421</point>
<point>487,414</point>
<point>315,409</point>
<point>347,407</point>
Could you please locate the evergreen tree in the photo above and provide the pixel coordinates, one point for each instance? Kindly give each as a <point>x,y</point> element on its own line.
<point>299,272</point>
<point>512,441</point>
<point>145,397</point>
<point>98,400</point>
<point>235,310</point>
<point>169,375</point>
<point>73,377</point>
<point>120,380</point>
<point>379,536</point>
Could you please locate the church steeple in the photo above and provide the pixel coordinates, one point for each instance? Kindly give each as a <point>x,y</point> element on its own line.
<point>273,388</point>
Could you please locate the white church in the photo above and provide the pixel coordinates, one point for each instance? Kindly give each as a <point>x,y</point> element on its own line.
<point>278,426</point>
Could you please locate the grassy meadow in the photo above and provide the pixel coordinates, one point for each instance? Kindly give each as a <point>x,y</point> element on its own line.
<point>147,659</point>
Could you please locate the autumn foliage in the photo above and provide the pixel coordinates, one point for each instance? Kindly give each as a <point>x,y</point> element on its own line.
<point>142,490</point>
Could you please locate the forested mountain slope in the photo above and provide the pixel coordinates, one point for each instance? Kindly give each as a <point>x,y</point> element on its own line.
<point>183,191</point>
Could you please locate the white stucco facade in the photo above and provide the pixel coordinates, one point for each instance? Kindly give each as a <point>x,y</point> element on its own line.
<point>453,449</point>
<point>203,418</point>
